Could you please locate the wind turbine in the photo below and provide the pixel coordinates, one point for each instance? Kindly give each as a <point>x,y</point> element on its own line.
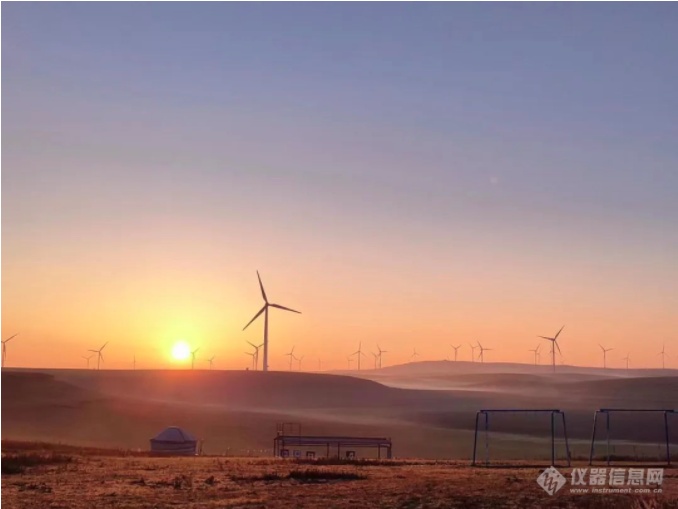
<point>134,362</point>
<point>376,356</point>
<point>256,354</point>
<point>482,351</point>
<point>380,354</point>
<point>662,353</point>
<point>300,359</point>
<point>4,347</point>
<point>265,311</point>
<point>193,357</point>
<point>456,348</point>
<point>627,360</point>
<point>554,345</point>
<point>320,364</point>
<point>100,356</point>
<point>290,355</point>
<point>87,359</point>
<point>414,354</point>
<point>359,353</point>
<point>349,361</point>
<point>605,350</point>
<point>251,354</point>
<point>211,360</point>
<point>536,353</point>
<point>473,352</point>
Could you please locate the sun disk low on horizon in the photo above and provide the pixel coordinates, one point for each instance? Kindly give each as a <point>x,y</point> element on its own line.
<point>181,351</point>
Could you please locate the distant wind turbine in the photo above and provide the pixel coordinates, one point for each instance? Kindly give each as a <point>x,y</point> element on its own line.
<point>300,359</point>
<point>256,354</point>
<point>87,358</point>
<point>482,351</point>
<point>605,350</point>
<point>662,353</point>
<point>291,356</point>
<point>376,357</point>
<point>4,347</point>
<point>414,354</point>
<point>320,364</point>
<point>554,341</point>
<point>456,349</point>
<point>359,353</point>
<point>193,357</point>
<point>254,358</point>
<point>381,352</point>
<point>211,360</point>
<point>100,356</point>
<point>265,311</point>
<point>536,353</point>
<point>473,352</point>
<point>627,360</point>
<point>349,359</point>
<point>134,362</point>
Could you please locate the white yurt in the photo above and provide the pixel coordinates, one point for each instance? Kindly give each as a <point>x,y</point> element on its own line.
<point>174,440</point>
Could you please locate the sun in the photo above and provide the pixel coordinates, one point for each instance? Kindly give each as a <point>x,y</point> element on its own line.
<point>181,351</point>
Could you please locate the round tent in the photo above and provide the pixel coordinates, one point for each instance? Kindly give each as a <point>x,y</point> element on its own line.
<point>174,440</point>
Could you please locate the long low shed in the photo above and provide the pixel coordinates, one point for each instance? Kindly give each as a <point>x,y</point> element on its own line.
<point>283,442</point>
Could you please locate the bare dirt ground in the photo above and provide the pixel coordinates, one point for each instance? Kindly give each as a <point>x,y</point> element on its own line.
<point>81,478</point>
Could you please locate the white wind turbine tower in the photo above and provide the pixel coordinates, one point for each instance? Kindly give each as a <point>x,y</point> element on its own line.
<point>605,350</point>
<point>100,356</point>
<point>300,359</point>
<point>256,354</point>
<point>627,360</point>
<point>554,343</point>
<point>87,359</point>
<point>456,349</point>
<point>290,355</point>
<point>536,353</point>
<point>482,351</point>
<point>473,352</point>
<point>376,356</point>
<point>381,352</point>
<point>663,354</point>
<point>4,347</point>
<point>349,361</point>
<point>359,353</point>
<point>193,357</point>
<point>265,311</point>
<point>211,360</point>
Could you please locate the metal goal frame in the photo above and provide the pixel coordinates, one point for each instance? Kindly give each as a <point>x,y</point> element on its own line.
<point>554,412</point>
<point>608,411</point>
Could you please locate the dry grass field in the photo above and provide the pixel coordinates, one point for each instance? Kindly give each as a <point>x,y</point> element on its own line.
<point>42,476</point>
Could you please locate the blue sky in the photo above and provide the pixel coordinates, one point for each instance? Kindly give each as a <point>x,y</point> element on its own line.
<point>523,141</point>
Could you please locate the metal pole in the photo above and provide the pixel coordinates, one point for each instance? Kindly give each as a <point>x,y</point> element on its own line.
<point>265,366</point>
<point>553,439</point>
<point>487,439</point>
<point>567,444</point>
<point>593,436</point>
<point>666,430</point>
<point>475,440</point>
<point>607,434</point>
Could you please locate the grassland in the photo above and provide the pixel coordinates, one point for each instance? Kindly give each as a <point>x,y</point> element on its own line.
<point>70,477</point>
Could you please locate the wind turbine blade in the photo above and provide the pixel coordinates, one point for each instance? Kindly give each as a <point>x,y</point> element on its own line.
<point>561,330</point>
<point>601,347</point>
<point>11,337</point>
<point>101,356</point>
<point>95,351</point>
<point>558,347</point>
<point>255,317</point>
<point>103,346</point>
<point>283,307</point>
<point>251,344</point>
<point>261,285</point>
<point>544,337</point>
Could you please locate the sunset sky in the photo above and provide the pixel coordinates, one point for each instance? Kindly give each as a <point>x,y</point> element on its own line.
<point>409,174</point>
